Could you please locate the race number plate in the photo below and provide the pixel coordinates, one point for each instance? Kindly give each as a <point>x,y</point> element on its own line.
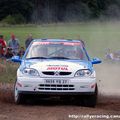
<point>56,81</point>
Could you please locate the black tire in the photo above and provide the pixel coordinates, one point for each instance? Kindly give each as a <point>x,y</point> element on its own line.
<point>88,100</point>
<point>19,100</point>
<point>18,97</point>
<point>91,100</point>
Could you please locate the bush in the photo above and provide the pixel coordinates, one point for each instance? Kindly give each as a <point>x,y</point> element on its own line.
<point>16,19</point>
<point>9,20</point>
<point>19,19</point>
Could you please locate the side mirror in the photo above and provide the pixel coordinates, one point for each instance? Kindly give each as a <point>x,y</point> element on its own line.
<point>96,61</point>
<point>16,59</point>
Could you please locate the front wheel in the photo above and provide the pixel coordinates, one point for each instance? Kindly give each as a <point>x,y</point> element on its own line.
<point>88,100</point>
<point>18,97</point>
<point>91,100</point>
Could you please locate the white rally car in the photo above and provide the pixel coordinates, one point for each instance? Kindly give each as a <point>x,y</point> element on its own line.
<point>56,67</point>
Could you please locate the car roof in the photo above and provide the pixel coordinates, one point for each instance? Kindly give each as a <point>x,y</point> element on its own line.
<point>58,40</point>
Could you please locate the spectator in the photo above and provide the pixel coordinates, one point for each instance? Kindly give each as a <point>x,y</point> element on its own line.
<point>9,53</point>
<point>109,54</point>
<point>2,46</point>
<point>28,40</point>
<point>13,43</point>
<point>21,52</point>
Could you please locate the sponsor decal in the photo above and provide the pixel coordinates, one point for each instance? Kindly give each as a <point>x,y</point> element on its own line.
<point>64,43</point>
<point>41,43</point>
<point>72,43</point>
<point>57,67</point>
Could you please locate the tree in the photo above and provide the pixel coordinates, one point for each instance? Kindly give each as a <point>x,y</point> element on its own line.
<point>59,10</point>
<point>13,7</point>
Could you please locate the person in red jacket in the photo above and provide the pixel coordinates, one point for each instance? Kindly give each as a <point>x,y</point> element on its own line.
<point>2,46</point>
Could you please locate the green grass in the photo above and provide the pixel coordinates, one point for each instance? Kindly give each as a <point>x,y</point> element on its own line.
<point>97,36</point>
<point>7,71</point>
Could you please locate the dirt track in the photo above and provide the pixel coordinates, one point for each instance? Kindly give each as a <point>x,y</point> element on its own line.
<point>109,104</point>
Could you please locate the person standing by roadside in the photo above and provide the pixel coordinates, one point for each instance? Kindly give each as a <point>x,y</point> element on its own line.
<point>28,40</point>
<point>13,43</point>
<point>2,46</point>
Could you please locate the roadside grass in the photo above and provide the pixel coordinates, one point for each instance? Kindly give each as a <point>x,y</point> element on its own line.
<point>97,36</point>
<point>7,71</point>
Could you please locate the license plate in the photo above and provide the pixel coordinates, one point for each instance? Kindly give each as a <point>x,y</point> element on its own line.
<point>56,81</point>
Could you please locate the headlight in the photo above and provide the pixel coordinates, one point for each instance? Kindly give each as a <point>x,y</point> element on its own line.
<point>30,72</point>
<point>83,73</point>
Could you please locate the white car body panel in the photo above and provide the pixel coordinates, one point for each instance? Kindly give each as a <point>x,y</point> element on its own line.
<point>80,84</point>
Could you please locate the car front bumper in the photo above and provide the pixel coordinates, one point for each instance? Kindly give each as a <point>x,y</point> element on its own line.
<point>74,86</point>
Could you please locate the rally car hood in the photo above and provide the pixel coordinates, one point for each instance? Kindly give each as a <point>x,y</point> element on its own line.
<point>57,65</point>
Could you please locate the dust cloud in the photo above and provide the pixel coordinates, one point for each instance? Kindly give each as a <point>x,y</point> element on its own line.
<point>108,78</point>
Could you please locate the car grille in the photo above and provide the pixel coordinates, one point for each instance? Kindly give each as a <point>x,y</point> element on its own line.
<point>54,73</point>
<point>56,87</point>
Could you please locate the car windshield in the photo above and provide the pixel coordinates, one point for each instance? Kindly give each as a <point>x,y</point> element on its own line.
<point>56,50</point>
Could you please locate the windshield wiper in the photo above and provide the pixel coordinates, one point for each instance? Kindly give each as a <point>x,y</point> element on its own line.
<point>58,58</point>
<point>37,58</point>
